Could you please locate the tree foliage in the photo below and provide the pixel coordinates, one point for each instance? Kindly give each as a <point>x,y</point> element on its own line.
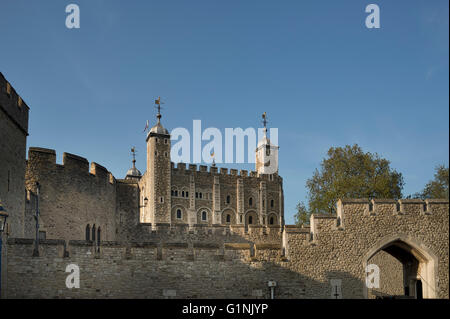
<point>302,215</point>
<point>348,172</point>
<point>438,187</point>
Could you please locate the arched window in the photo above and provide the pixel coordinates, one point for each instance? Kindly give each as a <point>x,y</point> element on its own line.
<point>250,201</point>
<point>204,216</point>
<point>228,199</point>
<point>99,233</point>
<point>88,232</point>
<point>176,193</point>
<point>93,232</point>
<point>271,203</point>
<point>179,213</point>
<point>187,194</point>
<point>250,220</point>
<point>271,221</point>
<point>228,218</point>
<point>182,193</point>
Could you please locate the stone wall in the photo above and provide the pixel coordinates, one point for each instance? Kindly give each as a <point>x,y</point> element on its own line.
<point>305,262</point>
<point>13,137</point>
<point>347,241</point>
<point>226,192</point>
<point>71,195</point>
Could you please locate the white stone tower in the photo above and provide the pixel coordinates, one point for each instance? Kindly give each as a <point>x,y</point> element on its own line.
<point>266,153</point>
<point>158,176</point>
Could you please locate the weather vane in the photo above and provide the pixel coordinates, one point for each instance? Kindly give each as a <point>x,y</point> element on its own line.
<point>264,116</point>
<point>133,152</point>
<point>158,107</point>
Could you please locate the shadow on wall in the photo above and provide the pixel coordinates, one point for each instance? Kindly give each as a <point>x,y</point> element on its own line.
<point>164,270</point>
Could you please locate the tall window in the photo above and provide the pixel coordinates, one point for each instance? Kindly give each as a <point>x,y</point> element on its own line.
<point>250,201</point>
<point>228,218</point>
<point>250,220</point>
<point>98,236</point>
<point>204,216</point>
<point>179,213</point>
<point>271,203</point>
<point>93,232</point>
<point>88,232</point>
<point>228,199</point>
<point>271,221</point>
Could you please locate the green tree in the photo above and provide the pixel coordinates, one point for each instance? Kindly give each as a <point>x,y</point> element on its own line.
<point>348,172</point>
<point>437,188</point>
<point>302,215</point>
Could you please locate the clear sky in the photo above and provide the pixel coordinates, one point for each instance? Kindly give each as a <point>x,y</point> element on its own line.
<point>323,78</point>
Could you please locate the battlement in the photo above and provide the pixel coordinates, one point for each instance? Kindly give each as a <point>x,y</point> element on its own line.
<point>44,158</point>
<point>352,214</point>
<point>387,206</point>
<point>181,168</point>
<point>13,105</point>
<point>211,233</point>
<point>156,250</point>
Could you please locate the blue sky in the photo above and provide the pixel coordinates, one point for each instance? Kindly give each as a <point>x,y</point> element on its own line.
<point>323,78</point>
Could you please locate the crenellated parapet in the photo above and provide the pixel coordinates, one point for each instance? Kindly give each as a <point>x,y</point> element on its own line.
<point>74,196</point>
<point>204,170</point>
<point>13,105</point>
<point>45,159</point>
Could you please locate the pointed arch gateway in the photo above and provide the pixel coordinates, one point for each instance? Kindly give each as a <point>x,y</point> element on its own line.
<point>419,264</point>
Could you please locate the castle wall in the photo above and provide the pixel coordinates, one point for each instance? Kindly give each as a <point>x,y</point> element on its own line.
<point>215,186</point>
<point>72,195</point>
<point>13,136</point>
<point>185,264</point>
<point>332,245</point>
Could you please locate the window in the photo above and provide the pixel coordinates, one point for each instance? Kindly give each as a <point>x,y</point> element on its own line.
<point>271,203</point>
<point>228,199</point>
<point>187,194</point>
<point>99,232</point>
<point>240,218</point>
<point>156,140</point>
<point>228,218</point>
<point>165,154</point>
<point>179,213</point>
<point>398,206</point>
<point>161,199</point>
<point>93,232</point>
<point>42,235</point>
<point>271,221</point>
<point>165,141</point>
<point>196,194</point>
<point>182,193</point>
<point>250,220</point>
<point>200,195</point>
<point>176,193</point>
<point>172,192</point>
<point>250,201</point>
<point>204,216</point>
<point>88,232</point>
<point>264,220</point>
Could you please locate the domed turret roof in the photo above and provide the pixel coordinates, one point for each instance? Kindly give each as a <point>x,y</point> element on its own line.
<point>133,172</point>
<point>159,129</point>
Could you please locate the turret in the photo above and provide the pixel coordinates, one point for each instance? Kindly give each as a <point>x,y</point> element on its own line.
<point>266,153</point>
<point>158,173</point>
